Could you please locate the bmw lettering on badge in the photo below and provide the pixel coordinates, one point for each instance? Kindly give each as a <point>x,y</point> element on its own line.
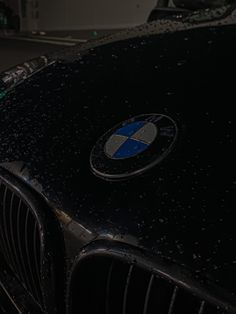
<point>133,146</point>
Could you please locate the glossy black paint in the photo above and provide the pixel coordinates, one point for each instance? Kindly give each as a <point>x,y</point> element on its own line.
<point>183,210</point>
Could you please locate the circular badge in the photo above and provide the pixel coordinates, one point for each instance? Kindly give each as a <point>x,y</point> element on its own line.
<point>133,146</point>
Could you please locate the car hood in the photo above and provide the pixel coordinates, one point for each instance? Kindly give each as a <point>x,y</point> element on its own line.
<point>184,208</point>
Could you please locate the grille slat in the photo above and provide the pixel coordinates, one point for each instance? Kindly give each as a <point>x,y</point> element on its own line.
<point>20,215</point>
<point>2,242</point>
<point>202,307</point>
<point>4,226</point>
<point>11,236</point>
<point>173,299</point>
<point>37,253</point>
<point>107,303</point>
<point>147,296</point>
<point>127,288</point>
<point>20,272</point>
<point>32,281</point>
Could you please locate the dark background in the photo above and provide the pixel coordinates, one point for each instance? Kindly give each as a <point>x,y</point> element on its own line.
<point>29,28</point>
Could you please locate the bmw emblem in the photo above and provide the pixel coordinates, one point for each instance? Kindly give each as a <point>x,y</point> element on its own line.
<point>133,146</point>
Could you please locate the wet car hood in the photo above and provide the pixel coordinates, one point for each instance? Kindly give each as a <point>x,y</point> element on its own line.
<point>183,209</point>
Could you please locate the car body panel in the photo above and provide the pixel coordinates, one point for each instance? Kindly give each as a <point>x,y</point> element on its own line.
<point>182,210</point>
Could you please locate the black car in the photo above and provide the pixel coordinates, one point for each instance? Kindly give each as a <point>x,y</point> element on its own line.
<point>117,173</point>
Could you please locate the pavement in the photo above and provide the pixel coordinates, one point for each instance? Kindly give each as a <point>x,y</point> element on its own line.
<point>18,48</point>
<point>80,34</point>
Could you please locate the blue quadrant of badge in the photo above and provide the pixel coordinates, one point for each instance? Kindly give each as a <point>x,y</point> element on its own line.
<point>130,129</point>
<point>130,148</point>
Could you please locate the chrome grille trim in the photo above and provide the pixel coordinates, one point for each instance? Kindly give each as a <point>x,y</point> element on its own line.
<point>119,278</point>
<point>29,254</point>
<point>20,247</point>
